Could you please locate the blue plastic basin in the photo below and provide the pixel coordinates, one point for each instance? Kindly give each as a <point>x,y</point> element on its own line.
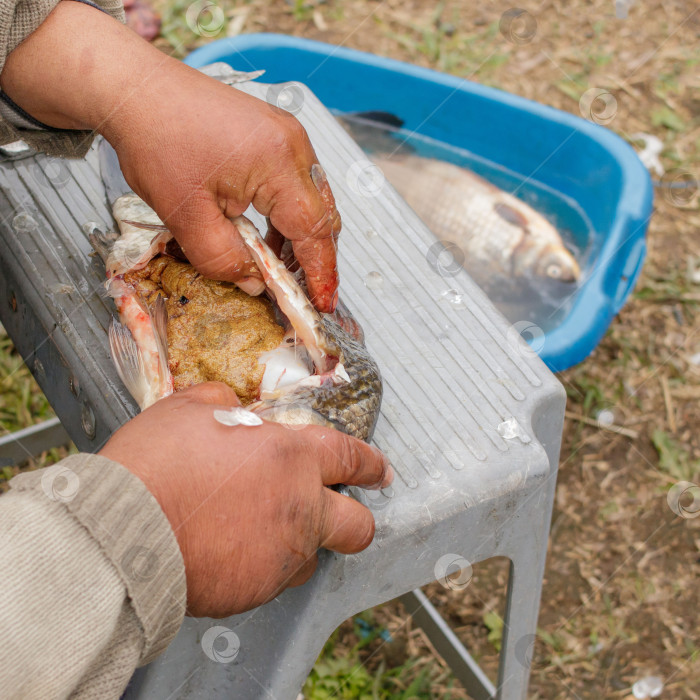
<point>584,162</point>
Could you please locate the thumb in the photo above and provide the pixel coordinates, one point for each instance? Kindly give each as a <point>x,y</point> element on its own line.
<point>215,248</point>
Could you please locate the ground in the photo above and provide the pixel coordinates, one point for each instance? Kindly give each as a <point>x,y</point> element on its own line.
<point>621,593</point>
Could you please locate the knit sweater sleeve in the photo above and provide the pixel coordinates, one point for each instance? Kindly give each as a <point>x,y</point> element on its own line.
<point>92,577</point>
<point>18,19</point>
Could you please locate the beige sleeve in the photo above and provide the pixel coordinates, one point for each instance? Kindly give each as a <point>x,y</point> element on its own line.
<point>92,578</point>
<point>18,19</point>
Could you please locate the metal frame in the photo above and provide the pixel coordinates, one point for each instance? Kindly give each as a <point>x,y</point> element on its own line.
<point>446,643</point>
<point>30,442</point>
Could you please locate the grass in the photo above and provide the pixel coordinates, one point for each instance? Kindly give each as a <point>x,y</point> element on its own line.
<point>674,459</point>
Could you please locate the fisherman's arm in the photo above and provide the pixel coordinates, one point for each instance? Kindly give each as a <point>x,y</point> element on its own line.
<point>196,150</point>
<point>92,577</point>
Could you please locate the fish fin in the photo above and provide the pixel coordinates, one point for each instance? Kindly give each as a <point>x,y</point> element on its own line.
<point>174,250</point>
<point>159,320</point>
<point>146,227</point>
<point>377,132</point>
<point>511,215</point>
<point>226,74</point>
<point>377,117</point>
<point>128,360</point>
<point>101,241</point>
<point>242,77</point>
<point>131,252</point>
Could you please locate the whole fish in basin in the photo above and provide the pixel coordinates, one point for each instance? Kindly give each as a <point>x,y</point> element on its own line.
<point>286,362</point>
<point>499,237</point>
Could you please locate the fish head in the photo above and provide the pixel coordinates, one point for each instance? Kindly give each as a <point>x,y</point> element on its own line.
<point>558,264</point>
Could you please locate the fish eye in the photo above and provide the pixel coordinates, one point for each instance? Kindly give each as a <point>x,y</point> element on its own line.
<point>554,271</point>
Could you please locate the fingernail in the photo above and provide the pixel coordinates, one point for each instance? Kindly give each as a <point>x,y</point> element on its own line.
<point>318,176</point>
<point>251,285</point>
<point>388,477</point>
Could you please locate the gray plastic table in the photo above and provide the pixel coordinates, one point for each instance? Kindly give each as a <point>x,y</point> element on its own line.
<point>471,419</point>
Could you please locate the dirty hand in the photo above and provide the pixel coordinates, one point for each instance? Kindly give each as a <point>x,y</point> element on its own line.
<point>249,505</point>
<point>196,150</point>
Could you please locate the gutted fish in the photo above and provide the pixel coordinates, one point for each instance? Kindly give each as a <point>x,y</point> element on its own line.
<point>286,362</point>
<point>215,331</point>
<point>491,233</point>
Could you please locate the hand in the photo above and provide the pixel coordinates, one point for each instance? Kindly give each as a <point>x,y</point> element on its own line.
<point>249,505</point>
<point>208,165</point>
<point>196,150</point>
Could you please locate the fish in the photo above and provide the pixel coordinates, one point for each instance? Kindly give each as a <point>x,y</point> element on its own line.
<point>492,234</point>
<point>287,362</point>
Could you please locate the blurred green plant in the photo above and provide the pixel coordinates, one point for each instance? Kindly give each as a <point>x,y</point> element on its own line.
<point>673,459</point>
<point>494,624</point>
<point>665,116</point>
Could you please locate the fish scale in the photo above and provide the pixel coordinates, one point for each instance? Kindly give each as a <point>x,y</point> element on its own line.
<point>489,242</point>
<point>352,407</point>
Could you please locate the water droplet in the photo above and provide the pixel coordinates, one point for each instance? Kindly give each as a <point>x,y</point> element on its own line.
<point>511,429</point>
<point>648,687</point>
<point>374,280</point>
<point>39,371</point>
<point>371,233</point>
<point>455,298</point>
<point>87,420</point>
<point>508,429</point>
<point>24,222</point>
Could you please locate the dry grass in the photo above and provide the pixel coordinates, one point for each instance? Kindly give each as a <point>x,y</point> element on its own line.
<point>621,595</point>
